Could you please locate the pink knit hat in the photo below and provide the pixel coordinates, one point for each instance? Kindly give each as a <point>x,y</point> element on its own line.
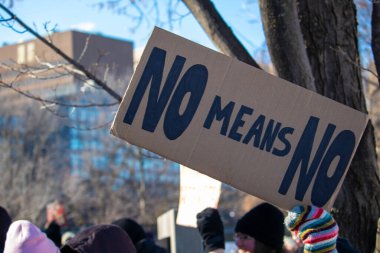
<point>25,237</point>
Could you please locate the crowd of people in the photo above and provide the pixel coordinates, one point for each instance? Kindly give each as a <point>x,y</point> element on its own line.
<point>261,230</point>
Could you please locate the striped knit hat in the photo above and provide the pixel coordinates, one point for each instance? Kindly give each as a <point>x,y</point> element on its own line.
<point>315,227</point>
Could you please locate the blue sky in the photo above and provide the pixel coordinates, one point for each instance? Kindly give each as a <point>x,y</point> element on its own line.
<point>83,15</point>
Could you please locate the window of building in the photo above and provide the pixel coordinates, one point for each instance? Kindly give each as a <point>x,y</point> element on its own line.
<point>21,54</point>
<point>30,53</point>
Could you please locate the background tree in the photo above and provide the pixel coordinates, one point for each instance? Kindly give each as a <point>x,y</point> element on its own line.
<point>327,30</point>
<point>34,172</point>
<point>26,162</point>
<point>101,186</point>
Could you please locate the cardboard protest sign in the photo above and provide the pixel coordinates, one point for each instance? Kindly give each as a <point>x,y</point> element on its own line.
<point>237,124</point>
<point>197,191</point>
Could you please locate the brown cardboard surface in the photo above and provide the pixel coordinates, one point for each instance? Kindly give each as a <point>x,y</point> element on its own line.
<point>277,141</point>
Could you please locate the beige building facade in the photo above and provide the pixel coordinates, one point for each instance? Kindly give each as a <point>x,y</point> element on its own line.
<point>34,67</point>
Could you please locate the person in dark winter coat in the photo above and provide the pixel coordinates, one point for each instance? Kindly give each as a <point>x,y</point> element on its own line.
<point>261,230</point>
<point>142,243</point>
<point>53,232</point>
<point>317,229</point>
<point>5,222</point>
<point>100,239</point>
<point>264,223</point>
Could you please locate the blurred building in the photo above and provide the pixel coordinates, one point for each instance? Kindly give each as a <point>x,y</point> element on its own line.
<point>35,69</point>
<point>49,75</point>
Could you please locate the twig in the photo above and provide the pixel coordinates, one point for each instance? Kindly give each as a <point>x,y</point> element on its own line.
<point>92,128</point>
<point>48,101</point>
<point>77,65</point>
<point>353,62</point>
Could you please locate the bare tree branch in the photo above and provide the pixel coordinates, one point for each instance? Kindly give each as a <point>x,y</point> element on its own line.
<point>52,102</point>
<point>10,23</point>
<point>96,127</point>
<point>84,49</point>
<point>371,82</point>
<point>173,14</point>
<point>133,10</point>
<point>9,4</point>
<point>77,65</point>
<point>356,64</point>
<point>218,30</point>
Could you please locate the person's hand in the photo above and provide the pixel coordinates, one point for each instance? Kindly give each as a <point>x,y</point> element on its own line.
<point>210,227</point>
<point>315,227</point>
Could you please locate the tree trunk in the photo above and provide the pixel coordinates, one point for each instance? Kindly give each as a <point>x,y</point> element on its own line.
<point>330,33</point>
<point>285,42</point>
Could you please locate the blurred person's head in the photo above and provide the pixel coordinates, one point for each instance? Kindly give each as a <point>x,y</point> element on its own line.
<point>66,236</point>
<point>260,230</point>
<point>100,239</point>
<point>25,237</point>
<point>133,229</point>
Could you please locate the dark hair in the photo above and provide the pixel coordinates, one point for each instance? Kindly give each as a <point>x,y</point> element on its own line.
<point>105,238</point>
<point>133,229</point>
